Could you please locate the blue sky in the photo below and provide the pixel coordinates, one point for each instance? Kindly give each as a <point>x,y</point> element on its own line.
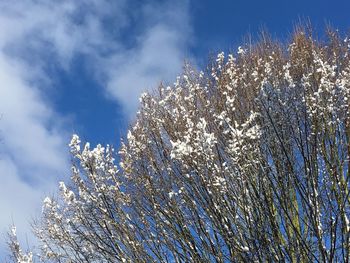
<point>79,67</point>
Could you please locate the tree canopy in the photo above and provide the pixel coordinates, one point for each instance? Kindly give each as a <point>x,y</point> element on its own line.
<point>245,161</point>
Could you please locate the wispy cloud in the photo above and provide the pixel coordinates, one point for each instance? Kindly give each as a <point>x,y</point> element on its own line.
<point>130,46</point>
<point>158,54</point>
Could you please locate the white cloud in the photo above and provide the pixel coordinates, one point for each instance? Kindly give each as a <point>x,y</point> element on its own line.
<point>29,138</point>
<point>157,56</point>
<point>32,146</point>
<point>18,202</point>
<point>131,46</point>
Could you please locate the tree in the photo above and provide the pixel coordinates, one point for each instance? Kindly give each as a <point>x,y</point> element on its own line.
<point>248,161</point>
